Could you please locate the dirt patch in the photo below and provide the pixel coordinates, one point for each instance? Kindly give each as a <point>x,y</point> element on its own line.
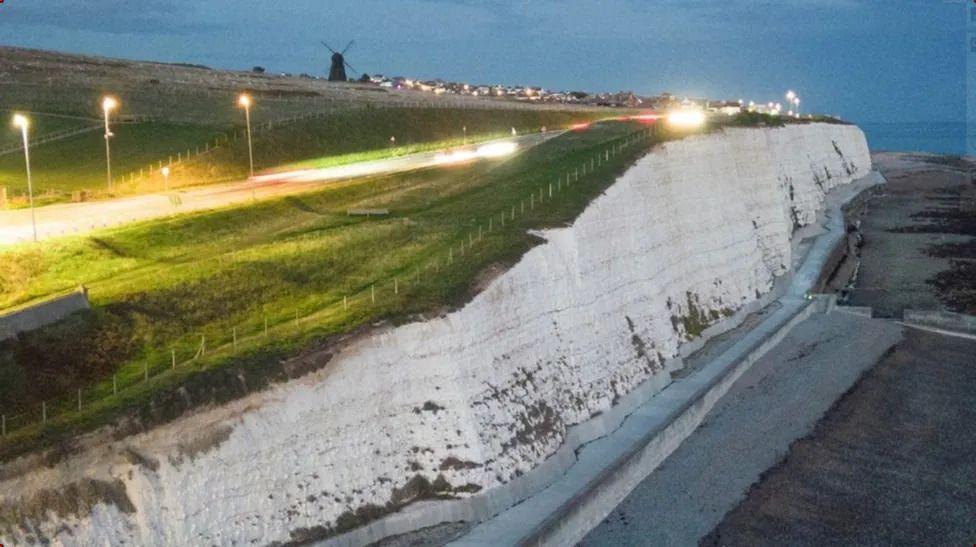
<point>486,276</point>
<point>190,449</point>
<point>74,500</point>
<point>418,488</point>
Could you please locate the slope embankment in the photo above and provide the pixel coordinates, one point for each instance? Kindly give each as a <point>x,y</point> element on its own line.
<point>460,405</point>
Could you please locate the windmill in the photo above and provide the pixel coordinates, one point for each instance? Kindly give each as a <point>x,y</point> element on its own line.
<point>337,72</point>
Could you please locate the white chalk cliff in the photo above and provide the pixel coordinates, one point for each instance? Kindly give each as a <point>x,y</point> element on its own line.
<point>463,403</point>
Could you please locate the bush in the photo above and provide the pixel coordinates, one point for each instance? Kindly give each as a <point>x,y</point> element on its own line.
<point>50,361</point>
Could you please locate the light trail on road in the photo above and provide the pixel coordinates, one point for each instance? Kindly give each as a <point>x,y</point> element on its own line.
<point>78,218</point>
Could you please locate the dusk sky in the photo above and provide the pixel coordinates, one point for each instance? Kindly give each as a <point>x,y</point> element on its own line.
<point>865,60</point>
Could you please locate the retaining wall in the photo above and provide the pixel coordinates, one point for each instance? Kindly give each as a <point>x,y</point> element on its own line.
<point>945,320</point>
<point>43,313</point>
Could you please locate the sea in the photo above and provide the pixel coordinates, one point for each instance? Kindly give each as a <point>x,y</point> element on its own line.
<point>936,137</point>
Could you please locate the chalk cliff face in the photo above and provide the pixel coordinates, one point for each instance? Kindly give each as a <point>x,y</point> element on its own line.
<point>696,229</point>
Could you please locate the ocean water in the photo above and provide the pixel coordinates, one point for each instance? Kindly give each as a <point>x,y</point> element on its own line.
<point>938,137</point>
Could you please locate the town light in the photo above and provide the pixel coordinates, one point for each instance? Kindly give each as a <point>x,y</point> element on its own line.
<point>244,101</point>
<point>21,122</point>
<point>109,104</point>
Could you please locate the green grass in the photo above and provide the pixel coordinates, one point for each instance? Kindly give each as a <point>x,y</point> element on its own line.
<point>364,134</point>
<point>161,286</point>
<point>40,125</point>
<point>78,163</point>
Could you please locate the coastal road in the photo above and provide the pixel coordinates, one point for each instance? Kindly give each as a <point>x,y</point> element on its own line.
<point>77,218</point>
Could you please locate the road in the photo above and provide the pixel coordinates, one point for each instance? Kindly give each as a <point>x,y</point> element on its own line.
<point>77,218</point>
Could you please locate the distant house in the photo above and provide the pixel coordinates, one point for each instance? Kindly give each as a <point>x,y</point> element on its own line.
<point>729,110</point>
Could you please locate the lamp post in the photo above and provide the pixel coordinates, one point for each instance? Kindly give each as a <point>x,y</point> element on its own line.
<point>796,101</point>
<point>108,104</point>
<point>165,171</point>
<point>245,101</point>
<point>464,129</point>
<point>21,122</point>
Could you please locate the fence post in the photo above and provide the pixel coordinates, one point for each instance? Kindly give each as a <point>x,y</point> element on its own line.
<point>44,412</point>
<point>550,189</point>
<point>172,357</point>
<point>79,400</point>
<point>265,325</point>
<point>372,293</point>
<point>234,330</point>
<point>396,286</point>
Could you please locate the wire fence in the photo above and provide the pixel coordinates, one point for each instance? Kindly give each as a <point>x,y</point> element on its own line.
<point>150,178</point>
<point>383,292</point>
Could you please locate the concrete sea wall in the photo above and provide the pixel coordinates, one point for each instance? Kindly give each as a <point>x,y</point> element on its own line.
<point>43,313</point>
<point>459,405</point>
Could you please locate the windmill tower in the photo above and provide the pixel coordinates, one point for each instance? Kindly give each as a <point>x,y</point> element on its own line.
<point>337,72</point>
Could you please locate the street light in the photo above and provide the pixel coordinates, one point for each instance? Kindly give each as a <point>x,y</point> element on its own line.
<point>165,172</point>
<point>21,122</point>
<point>108,104</point>
<point>245,101</point>
<point>464,128</point>
<point>796,101</point>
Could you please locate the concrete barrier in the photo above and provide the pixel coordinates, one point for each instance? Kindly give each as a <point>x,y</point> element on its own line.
<point>944,320</point>
<point>43,313</point>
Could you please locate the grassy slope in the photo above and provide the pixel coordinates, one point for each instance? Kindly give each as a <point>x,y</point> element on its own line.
<point>160,286</point>
<point>363,134</point>
<point>79,162</point>
<point>41,125</point>
<point>341,137</point>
